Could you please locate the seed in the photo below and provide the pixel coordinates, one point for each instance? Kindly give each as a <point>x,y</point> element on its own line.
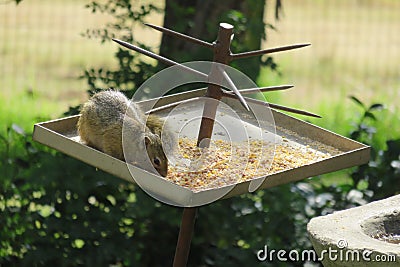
<point>225,163</point>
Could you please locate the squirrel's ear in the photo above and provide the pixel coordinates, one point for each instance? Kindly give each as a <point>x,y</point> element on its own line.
<point>147,140</point>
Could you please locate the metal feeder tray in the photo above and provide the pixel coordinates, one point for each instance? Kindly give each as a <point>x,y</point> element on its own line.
<point>61,134</point>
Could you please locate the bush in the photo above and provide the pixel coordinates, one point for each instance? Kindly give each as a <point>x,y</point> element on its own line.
<point>383,171</point>
<point>57,211</point>
<point>83,217</point>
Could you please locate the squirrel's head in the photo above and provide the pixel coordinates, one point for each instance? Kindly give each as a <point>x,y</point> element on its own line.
<point>156,153</point>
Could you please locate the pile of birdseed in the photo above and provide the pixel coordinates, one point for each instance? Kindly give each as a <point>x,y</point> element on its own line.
<point>226,163</point>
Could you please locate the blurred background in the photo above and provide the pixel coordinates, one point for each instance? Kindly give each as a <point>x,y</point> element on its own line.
<point>355,50</point>
<point>53,52</point>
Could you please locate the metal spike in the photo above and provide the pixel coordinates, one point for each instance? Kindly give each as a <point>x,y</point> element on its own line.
<point>180,35</point>
<point>259,89</point>
<point>157,57</point>
<point>265,89</point>
<point>235,90</point>
<point>185,101</point>
<point>293,110</point>
<point>266,51</point>
<point>275,106</point>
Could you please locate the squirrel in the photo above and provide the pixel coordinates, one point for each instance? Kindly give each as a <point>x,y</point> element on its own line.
<point>101,126</point>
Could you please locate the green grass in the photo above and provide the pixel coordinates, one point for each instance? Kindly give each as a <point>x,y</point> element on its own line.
<point>43,54</point>
<point>24,110</point>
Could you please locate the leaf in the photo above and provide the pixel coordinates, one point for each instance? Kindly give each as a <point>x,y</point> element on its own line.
<point>369,115</point>
<point>376,106</point>
<point>356,100</point>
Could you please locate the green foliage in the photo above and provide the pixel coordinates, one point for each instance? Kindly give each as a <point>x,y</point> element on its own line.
<point>83,217</point>
<point>363,131</point>
<point>375,180</point>
<point>382,173</point>
<point>131,71</point>
<point>230,232</point>
<point>58,211</point>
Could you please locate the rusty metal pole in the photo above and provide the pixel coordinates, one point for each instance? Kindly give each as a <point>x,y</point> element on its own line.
<point>221,55</point>
<point>185,237</point>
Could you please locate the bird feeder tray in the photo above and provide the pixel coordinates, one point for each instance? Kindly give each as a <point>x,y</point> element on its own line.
<point>62,135</point>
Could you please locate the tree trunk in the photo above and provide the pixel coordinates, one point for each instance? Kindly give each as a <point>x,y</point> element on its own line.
<point>201,18</point>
